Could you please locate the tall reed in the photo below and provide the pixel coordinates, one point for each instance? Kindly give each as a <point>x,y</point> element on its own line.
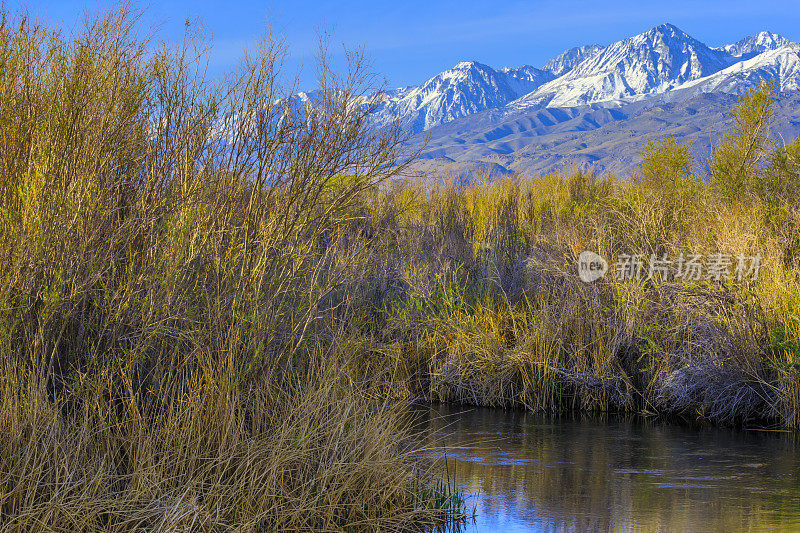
<point>170,245</point>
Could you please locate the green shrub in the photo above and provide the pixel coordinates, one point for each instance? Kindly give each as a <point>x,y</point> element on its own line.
<point>737,164</point>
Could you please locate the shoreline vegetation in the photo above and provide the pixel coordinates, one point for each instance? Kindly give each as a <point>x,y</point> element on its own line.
<point>216,303</point>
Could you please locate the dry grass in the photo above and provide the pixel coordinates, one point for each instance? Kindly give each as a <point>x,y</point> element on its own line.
<point>170,246</point>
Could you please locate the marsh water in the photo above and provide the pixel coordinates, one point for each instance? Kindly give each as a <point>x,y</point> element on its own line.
<point>525,472</point>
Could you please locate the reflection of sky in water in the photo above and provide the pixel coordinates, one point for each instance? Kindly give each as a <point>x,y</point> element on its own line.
<point>524,472</point>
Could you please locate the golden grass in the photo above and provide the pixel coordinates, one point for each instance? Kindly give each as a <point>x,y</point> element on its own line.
<point>167,251</point>
<point>493,312</point>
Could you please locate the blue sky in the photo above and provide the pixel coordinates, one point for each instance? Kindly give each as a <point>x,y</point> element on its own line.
<point>409,41</point>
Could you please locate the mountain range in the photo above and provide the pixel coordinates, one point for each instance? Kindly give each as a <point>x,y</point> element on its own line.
<point>585,106</point>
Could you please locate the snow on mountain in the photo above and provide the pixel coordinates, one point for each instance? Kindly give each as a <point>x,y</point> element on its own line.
<point>661,61</point>
<point>606,139</point>
<point>755,44</point>
<point>467,88</point>
<point>650,63</point>
<point>594,105</point>
<point>567,60</point>
<point>526,78</point>
<point>781,67</point>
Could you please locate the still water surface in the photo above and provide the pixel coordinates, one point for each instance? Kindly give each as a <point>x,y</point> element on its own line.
<point>526,472</point>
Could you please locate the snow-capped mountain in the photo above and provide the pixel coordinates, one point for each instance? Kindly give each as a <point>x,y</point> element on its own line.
<point>650,63</point>
<point>467,88</point>
<point>781,67</point>
<point>605,139</point>
<point>660,61</point>
<point>755,44</point>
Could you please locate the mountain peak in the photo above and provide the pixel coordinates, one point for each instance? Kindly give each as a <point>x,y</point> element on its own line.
<point>567,60</point>
<point>652,62</point>
<point>756,44</point>
<point>668,33</point>
<point>464,65</point>
<point>662,59</point>
<point>667,29</point>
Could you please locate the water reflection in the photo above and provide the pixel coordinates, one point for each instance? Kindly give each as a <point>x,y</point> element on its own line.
<point>526,472</point>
